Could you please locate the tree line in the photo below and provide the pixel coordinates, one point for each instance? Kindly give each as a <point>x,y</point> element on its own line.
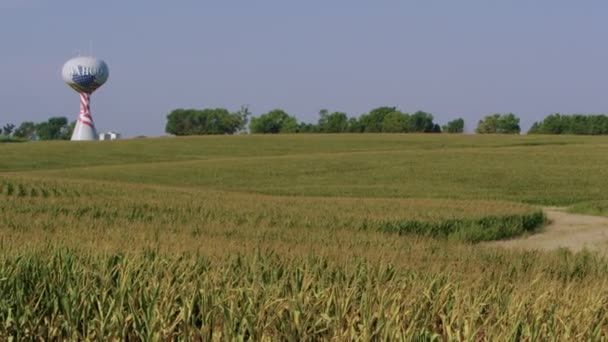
<point>207,121</point>
<point>379,120</point>
<point>572,124</point>
<point>55,128</point>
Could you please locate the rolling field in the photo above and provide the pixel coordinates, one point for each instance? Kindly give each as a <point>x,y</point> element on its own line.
<point>298,237</point>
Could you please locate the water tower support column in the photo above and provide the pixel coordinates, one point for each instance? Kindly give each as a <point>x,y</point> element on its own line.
<point>85,110</point>
<point>85,127</point>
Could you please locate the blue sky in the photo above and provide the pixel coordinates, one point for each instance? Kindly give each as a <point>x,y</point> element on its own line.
<point>465,58</point>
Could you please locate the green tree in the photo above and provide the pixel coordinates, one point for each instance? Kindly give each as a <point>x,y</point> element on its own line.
<point>509,124</point>
<point>597,124</point>
<point>206,121</point>
<point>571,124</point>
<point>354,126</point>
<point>25,130</point>
<point>56,128</point>
<point>7,130</point>
<point>578,124</point>
<point>535,128</point>
<point>336,122</point>
<point>304,127</point>
<point>488,124</point>
<point>242,118</point>
<point>275,121</point>
<point>421,122</point>
<point>69,130</point>
<point>499,123</point>
<point>395,122</point>
<point>65,132</point>
<point>180,122</point>
<point>454,126</point>
<point>323,114</point>
<point>372,122</point>
<point>554,124</point>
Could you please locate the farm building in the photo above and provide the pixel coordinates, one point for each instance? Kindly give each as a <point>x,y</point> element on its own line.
<point>109,136</point>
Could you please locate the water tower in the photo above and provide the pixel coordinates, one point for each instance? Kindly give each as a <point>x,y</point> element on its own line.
<point>85,75</point>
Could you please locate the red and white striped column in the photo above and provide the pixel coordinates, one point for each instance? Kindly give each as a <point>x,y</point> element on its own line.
<point>85,127</point>
<point>85,110</point>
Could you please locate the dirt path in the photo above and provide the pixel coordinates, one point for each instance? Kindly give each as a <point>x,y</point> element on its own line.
<point>573,231</point>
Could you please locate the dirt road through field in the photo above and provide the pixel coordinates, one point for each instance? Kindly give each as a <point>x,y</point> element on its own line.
<point>573,231</point>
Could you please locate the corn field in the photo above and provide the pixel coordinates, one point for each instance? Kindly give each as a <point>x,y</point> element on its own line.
<point>137,252</point>
<point>61,293</point>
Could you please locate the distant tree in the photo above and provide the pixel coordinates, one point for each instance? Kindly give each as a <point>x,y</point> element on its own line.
<point>242,117</point>
<point>275,121</point>
<point>206,121</point>
<point>598,124</point>
<point>578,124</point>
<point>68,130</point>
<point>7,130</point>
<point>372,122</point>
<point>304,127</point>
<point>391,120</point>
<point>336,122</point>
<point>395,122</point>
<point>534,129</point>
<point>56,128</point>
<point>499,123</point>
<point>25,130</point>
<point>571,124</point>
<point>454,126</point>
<point>354,126</point>
<point>509,124</point>
<point>323,114</point>
<point>489,124</point>
<point>552,124</point>
<point>421,122</point>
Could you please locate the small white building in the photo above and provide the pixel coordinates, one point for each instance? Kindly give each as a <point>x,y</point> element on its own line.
<point>109,136</point>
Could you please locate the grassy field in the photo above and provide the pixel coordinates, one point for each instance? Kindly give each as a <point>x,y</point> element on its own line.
<point>539,170</point>
<point>299,237</point>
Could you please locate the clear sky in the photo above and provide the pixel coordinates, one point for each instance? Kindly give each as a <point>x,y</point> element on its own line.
<point>465,58</point>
